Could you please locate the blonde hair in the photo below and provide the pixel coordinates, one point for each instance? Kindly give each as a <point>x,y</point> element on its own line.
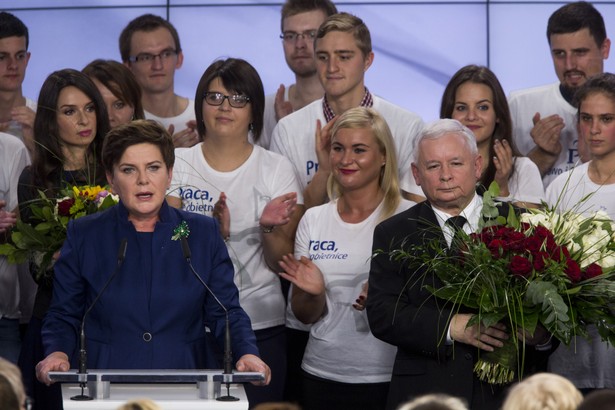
<point>543,391</point>
<point>435,402</point>
<point>140,404</point>
<point>13,376</point>
<point>367,118</point>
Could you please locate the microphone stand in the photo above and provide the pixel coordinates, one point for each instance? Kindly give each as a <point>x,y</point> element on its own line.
<point>228,354</point>
<point>83,354</point>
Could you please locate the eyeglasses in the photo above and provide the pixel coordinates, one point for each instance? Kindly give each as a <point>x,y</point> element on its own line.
<point>149,58</point>
<point>235,100</point>
<point>292,36</point>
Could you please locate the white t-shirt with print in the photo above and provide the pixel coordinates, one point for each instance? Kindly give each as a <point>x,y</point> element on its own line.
<point>264,176</point>
<point>341,346</point>
<point>547,100</point>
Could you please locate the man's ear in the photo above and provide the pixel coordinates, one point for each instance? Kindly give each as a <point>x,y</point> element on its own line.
<point>605,48</point>
<point>369,59</point>
<point>478,166</point>
<point>180,60</point>
<point>415,173</point>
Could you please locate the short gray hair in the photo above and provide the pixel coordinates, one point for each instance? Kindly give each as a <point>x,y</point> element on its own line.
<point>437,129</point>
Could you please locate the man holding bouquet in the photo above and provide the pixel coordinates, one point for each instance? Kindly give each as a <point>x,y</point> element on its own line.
<point>437,350</point>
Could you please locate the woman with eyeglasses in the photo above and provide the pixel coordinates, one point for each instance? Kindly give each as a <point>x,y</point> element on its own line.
<point>254,195</point>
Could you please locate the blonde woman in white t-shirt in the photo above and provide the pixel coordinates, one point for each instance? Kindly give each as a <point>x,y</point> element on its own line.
<point>344,365</point>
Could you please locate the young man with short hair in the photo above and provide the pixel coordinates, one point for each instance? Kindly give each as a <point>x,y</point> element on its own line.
<point>150,48</point>
<point>343,54</point>
<point>16,111</point>
<point>544,118</point>
<point>300,22</point>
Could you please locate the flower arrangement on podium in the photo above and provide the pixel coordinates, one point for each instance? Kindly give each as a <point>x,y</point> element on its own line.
<point>539,267</point>
<point>39,240</point>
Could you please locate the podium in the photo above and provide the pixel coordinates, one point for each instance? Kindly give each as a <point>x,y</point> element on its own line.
<point>172,389</point>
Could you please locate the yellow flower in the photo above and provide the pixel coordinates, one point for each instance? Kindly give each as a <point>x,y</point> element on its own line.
<point>87,192</point>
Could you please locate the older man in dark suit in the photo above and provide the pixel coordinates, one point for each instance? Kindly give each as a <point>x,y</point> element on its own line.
<point>436,349</point>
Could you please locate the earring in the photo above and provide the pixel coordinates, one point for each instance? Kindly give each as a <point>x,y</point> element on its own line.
<point>251,127</point>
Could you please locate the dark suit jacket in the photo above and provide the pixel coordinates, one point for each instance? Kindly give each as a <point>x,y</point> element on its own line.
<point>403,313</point>
<point>165,301</point>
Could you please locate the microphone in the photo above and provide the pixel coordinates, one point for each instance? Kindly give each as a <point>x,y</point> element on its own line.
<point>228,354</point>
<point>83,355</point>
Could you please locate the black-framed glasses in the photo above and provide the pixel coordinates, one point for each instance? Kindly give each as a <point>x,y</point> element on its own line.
<point>148,58</point>
<point>235,100</point>
<point>292,36</point>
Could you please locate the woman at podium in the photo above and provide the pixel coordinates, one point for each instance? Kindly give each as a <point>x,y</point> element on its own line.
<point>153,313</point>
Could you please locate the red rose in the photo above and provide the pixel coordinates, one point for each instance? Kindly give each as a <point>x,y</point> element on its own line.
<point>516,240</point>
<point>573,270</point>
<point>542,232</point>
<point>560,253</point>
<point>495,247</point>
<point>532,244</point>
<point>520,266</point>
<point>592,271</point>
<point>64,206</point>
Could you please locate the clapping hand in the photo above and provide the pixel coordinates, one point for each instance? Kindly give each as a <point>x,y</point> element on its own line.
<point>546,133</point>
<point>223,216</point>
<point>360,302</point>
<point>279,210</point>
<point>281,107</point>
<point>304,274</point>
<point>503,162</point>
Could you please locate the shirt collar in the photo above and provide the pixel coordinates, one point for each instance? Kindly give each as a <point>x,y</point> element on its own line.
<point>471,212</point>
<point>366,101</point>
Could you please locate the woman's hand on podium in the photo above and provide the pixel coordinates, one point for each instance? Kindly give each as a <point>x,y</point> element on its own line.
<point>55,362</point>
<point>252,363</point>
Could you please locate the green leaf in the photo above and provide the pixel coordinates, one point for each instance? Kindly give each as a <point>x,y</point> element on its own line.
<point>512,219</point>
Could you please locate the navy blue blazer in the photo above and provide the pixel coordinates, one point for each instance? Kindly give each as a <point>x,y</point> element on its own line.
<point>154,312</point>
<point>405,314</point>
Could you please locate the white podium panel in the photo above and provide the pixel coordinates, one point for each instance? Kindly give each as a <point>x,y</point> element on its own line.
<point>167,396</point>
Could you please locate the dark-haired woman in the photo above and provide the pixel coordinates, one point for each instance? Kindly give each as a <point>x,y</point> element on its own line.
<point>475,98</point>
<point>70,124</point>
<point>252,192</point>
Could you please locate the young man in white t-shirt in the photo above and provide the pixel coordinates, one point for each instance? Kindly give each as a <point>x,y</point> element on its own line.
<point>300,22</point>
<point>150,48</point>
<point>16,111</point>
<point>343,54</point>
<point>544,118</point>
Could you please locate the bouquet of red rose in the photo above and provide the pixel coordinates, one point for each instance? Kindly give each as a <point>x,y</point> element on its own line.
<point>42,238</point>
<point>543,267</point>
